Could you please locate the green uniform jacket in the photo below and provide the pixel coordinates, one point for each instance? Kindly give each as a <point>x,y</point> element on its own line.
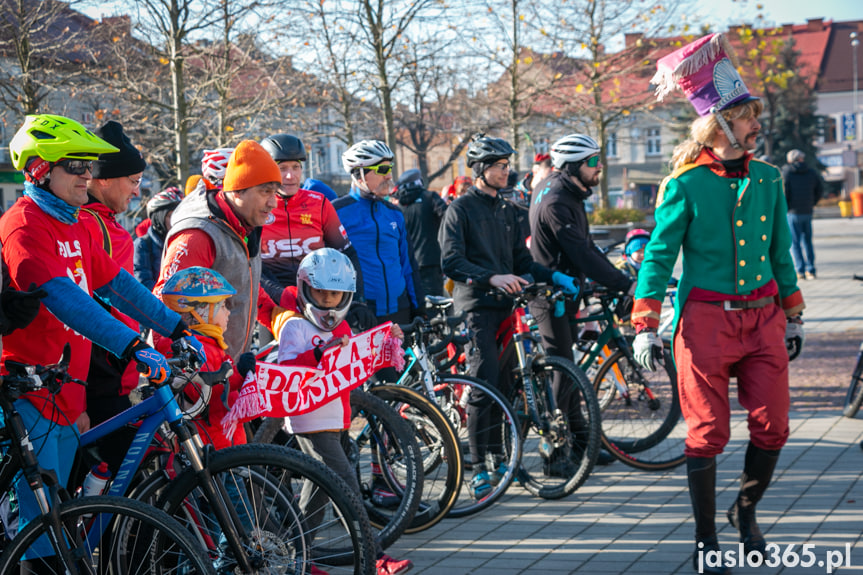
<point>733,233</point>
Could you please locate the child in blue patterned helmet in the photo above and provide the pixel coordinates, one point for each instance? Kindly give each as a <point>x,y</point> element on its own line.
<point>199,294</point>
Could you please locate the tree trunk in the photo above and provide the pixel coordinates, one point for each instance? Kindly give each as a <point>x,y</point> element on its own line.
<point>181,138</point>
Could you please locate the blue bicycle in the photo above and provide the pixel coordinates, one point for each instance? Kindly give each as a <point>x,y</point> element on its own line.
<point>87,535</point>
<point>241,503</point>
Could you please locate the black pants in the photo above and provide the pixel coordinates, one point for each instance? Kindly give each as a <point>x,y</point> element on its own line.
<point>484,434</point>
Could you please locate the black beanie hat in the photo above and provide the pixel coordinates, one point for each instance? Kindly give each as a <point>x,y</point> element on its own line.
<point>129,160</point>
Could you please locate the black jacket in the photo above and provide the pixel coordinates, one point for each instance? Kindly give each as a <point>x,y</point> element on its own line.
<point>802,188</point>
<point>423,211</point>
<point>480,238</point>
<point>560,234</point>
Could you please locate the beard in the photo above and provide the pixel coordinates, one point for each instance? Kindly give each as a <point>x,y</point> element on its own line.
<point>591,181</point>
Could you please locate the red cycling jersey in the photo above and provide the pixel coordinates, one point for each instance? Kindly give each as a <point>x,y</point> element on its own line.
<point>38,248</point>
<point>304,222</point>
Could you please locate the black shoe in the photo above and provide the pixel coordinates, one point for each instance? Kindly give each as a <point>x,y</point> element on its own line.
<point>560,467</point>
<point>605,458</point>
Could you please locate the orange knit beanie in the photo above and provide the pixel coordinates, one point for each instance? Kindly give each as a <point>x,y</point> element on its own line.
<point>250,165</point>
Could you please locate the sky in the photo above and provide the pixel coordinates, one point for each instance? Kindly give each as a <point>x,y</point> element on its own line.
<point>779,11</point>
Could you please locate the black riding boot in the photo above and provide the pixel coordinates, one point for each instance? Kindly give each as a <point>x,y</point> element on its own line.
<point>701,472</point>
<point>757,470</point>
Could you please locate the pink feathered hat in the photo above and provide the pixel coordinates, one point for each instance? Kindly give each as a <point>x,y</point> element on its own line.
<point>706,71</point>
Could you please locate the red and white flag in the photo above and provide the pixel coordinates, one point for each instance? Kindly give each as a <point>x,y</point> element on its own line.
<point>274,390</point>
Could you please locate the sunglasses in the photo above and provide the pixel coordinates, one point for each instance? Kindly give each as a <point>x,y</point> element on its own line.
<point>592,161</point>
<point>75,167</point>
<point>380,169</point>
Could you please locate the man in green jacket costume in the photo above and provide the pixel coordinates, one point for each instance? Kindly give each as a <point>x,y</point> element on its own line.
<point>738,300</point>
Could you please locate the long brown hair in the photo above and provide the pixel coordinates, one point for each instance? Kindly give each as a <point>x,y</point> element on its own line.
<point>703,131</point>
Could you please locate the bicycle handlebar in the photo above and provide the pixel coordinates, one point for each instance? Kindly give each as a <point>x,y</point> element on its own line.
<point>22,378</point>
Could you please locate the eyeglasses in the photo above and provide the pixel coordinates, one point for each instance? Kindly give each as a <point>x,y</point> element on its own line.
<point>135,183</point>
<point>592,161</point>
<point>75,167</point>
<point>380,169</point>
<point>501,165</point>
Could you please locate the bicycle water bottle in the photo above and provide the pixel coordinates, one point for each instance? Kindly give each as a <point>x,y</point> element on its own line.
<point>96,480</point>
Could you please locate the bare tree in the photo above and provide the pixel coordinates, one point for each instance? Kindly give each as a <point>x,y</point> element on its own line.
<point>434,109</point>
<point>606,85</point>
<point>40,45</point>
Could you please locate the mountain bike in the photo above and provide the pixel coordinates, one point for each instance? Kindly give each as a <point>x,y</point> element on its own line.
<point>88,535</point>
<point>455,395</point>
<point>560,446</point>
<point>641,418</point>
<point>241,503</point>
<point>854,397</point>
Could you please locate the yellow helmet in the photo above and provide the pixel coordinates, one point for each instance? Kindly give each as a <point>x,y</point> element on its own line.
<point>53,138</point>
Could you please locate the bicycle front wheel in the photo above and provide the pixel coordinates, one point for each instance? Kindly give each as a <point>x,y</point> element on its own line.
<point>439,452</point>
<point>557,460</point>
<point>641,423</point>
<point>261,487</point>
<point>854,397</point>
<point>109,535</point>
<point>384,452</point>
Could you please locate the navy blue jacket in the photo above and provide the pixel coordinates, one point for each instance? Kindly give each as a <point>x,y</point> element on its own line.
<point>377,231</point>
<point>148,258</point>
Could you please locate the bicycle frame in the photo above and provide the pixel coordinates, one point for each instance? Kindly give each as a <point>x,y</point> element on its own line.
<point>519,329</point>
<point>609,333</point>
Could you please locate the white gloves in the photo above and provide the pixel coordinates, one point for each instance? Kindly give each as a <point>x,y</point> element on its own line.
<point>647,349</point>
<point>794,337</point>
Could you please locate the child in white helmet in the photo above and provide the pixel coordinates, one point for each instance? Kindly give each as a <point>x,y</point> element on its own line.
<point>326,281</point>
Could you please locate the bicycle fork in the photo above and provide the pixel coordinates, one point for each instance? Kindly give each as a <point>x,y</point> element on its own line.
<point>214,492</point>
<point>34,475</point>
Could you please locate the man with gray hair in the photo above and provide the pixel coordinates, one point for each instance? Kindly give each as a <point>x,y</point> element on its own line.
<point>802,191</point>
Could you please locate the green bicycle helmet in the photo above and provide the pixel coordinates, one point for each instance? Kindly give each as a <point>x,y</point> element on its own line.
<point>53,138</point>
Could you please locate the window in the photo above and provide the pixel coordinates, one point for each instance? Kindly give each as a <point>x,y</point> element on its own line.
<point>611,144</point>
<point>654,142</point>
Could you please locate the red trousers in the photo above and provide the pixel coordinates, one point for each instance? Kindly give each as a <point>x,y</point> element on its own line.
<point>712,345</point>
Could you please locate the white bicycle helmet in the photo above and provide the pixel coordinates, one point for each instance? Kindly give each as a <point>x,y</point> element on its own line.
<point>366,153</point>
<point>572,148</point>
<point>214,163</point>
<point>326,269</point>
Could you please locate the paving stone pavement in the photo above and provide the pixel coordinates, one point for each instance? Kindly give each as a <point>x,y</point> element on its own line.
<point>628,521</point>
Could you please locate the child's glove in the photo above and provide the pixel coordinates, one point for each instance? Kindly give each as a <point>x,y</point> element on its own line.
<point>246,363</point>
<point>183,332</point>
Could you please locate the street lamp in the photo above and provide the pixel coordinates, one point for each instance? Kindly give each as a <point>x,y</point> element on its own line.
<point>854,43</point>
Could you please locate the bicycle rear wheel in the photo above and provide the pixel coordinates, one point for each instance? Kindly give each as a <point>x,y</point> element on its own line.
<point>643,427</point>
<point>854,397</point>
<point>261,486</point>
<point>439,452</point>
<point>151,541</point>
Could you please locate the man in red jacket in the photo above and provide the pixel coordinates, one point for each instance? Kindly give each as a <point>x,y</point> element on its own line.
<point>221,230</point>
<point>115,180</point>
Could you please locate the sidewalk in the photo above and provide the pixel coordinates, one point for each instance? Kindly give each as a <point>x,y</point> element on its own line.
<point>627,521</point>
